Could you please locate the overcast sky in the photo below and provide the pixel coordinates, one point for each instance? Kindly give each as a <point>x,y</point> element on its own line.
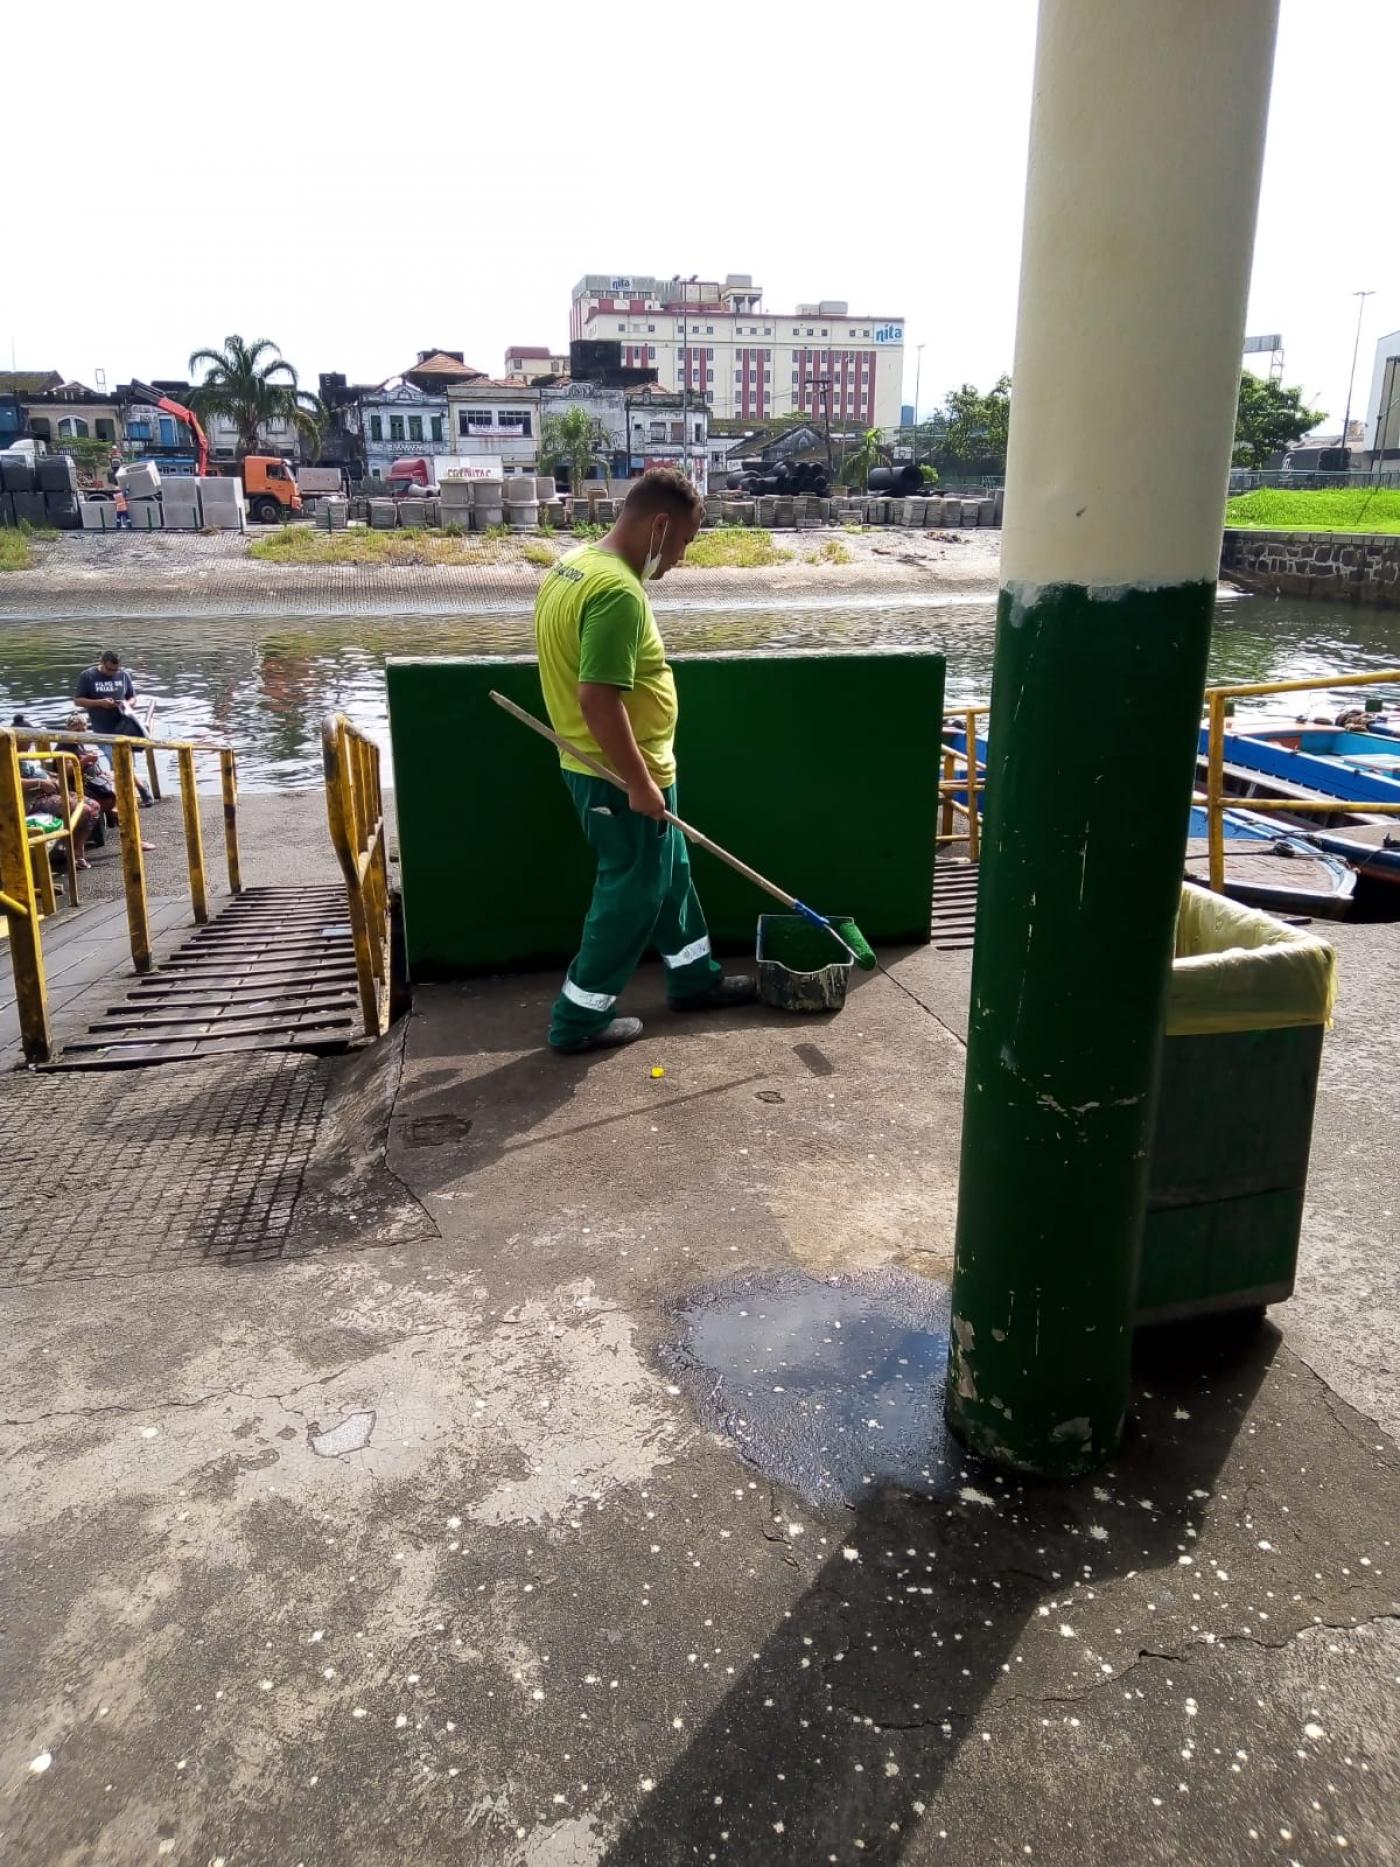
<point>444,176</point>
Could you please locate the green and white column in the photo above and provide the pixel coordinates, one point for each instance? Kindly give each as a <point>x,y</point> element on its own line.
<point>1147,138</point>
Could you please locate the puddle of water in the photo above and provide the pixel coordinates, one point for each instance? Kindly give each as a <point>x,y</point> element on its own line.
<point>833,1388</point>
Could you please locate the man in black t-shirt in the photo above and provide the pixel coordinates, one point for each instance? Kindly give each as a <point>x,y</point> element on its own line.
<point>105,691</point>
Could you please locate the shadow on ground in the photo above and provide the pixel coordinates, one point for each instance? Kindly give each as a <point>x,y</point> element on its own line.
<point>842,1729</point>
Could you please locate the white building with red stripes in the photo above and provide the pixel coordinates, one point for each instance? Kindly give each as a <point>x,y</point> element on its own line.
<point>715,339</point>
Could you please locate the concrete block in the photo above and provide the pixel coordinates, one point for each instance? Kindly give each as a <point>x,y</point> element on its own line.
<point>141,479</point>
<point>61,511</point>
<point>485,518</point>
<point>336,514</point>
<point>29,508</point>
<point>179,514</point>
<point>413,512</point>
<point>146,515</point>
<point>57,474</point>
<point>986,511</point>
<point>224,518</point>
<point>998,504</point>
<point>519,490</point>
<point>91,510</point>
<point>456,492</point>
<point>487,493</point>
<point>434,511</point>
<point>522,518</point>
<point>17,473</point>
<point>544,488</point>
<point>383,514</point>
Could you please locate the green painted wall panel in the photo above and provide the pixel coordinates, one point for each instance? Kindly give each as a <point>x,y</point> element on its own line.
<point>820,771</point>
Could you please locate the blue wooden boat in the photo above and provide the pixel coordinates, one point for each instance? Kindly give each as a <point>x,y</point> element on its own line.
<point>1312,763</point>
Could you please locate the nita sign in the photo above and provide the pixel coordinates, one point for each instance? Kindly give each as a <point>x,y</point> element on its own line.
<point>888,333</point>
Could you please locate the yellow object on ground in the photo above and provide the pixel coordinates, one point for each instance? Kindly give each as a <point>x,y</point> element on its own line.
<point>1239,970</point>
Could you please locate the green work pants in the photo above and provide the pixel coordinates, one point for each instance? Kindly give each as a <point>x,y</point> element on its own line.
<point>644,896</point>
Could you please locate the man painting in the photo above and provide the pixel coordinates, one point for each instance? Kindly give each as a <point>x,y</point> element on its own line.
<point>609,691</point>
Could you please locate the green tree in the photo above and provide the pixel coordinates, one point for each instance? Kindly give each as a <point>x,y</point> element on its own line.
<point>856,468</point>
<point>1268,419</point>
<point>574,440</point>
<point>91,457</point>
<point>973,428</point>
<point>253,384</point>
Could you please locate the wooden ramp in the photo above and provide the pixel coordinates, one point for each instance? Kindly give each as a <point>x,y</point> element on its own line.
<point>954,903</point>
<point>274,970</point>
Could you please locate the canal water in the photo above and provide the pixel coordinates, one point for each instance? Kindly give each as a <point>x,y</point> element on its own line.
<point>265,684</point>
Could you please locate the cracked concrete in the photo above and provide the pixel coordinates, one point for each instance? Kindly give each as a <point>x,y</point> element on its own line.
<point>536,1608</point>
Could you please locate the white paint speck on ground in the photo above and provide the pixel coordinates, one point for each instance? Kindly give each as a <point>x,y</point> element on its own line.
<point>851,1554</point>
<point>971,1495</point>
<point>149,1432</point>
<point>37,1765</point>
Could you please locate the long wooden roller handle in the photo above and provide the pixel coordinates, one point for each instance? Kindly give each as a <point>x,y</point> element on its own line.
<point>687,830</point>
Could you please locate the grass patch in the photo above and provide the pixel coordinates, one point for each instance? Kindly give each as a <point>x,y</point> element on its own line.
<point>1340,509</point>
<point>15,541</point>
<point>409,544</point>
<point>830,551</point>
<point>588,528</point>
<point>537,554</point>
<point>733,547</point>
<point>14,550</point>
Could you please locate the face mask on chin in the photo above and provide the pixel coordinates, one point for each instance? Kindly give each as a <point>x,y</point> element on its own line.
<point>653,558</point>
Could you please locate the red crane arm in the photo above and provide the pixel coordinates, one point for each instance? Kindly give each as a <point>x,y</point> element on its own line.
<point>168,406</point>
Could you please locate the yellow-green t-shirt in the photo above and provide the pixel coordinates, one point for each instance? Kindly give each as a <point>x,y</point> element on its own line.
<point>593,623</point>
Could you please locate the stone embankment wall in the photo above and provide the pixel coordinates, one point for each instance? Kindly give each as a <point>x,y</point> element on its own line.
<point>1351,567</point>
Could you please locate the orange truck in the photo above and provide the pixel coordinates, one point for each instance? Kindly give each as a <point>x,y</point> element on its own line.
<point>269,484</point>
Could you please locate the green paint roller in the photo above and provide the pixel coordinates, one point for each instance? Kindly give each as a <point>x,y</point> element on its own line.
<point>855,947</point>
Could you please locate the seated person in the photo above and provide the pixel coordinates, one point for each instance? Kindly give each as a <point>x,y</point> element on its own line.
<point>43,798</point>
<point>98,781</point>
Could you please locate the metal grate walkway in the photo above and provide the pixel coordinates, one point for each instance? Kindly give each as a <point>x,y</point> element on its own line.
<point>275,970</point>
<point>954,904</point>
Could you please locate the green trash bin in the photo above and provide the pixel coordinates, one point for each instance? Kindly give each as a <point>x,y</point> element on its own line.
<point>1248,1004</point>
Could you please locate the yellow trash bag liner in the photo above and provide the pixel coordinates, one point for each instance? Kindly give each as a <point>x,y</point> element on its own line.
<point>1239,970</point>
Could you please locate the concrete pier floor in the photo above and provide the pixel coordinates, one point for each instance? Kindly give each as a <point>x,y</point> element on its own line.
<point>525,1507</point>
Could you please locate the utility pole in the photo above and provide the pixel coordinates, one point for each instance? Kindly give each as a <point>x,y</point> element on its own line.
<point>918,374</point>
<point>1351,379</point>
<point>1146,146</point>
<point>685,372</point>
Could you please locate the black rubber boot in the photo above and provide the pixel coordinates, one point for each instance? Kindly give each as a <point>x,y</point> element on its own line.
<point>736,988</point>
<point>620,1031</point>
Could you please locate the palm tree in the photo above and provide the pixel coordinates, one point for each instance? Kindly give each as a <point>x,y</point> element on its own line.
<point>253,384</point>
<point>872,452</point>
<point>574,440</point>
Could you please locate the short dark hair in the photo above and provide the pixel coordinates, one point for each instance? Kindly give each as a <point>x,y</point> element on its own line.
<point>662,489</point>
<point>109,654</point>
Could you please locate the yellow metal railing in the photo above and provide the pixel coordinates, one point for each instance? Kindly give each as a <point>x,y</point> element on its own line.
<point>26,879</point>
<point>70,815</point>
<point>19,902</point>
<point>355,808</point>
<point>972,783</point>
<point>1215,800</point>
<point>124,750</point>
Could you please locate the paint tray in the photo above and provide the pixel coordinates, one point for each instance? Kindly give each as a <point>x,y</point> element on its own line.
<point>800,967</point>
